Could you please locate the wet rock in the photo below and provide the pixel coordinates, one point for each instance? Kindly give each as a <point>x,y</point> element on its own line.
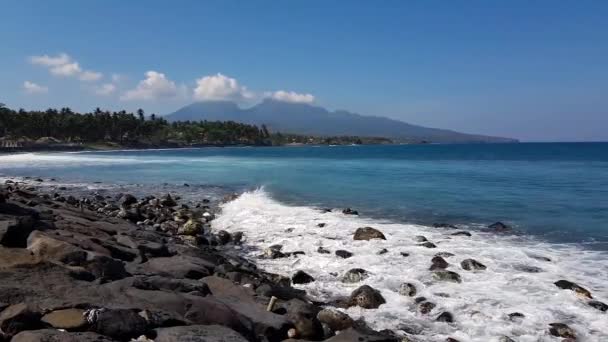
<point>514,316</point>
<point>420,238</point>
<point>224,237</point>
<point>561,330</point>
<point>499,227</point>
<point>461,233</point>
<point>167,201</point>
<point>349,211</point>
<point>407,289</point>
<point>428,244</point>
<point>15,231</point>
<point>127,200</point>
<point>237,238</point>
<point>336,320</point>
<point>426,307</point>
<point>368,233</point>
<point>68,319</point>
<point>343,254</point>
<point>366,297</point>
<point>568,285</point>
<point>322,250</point>
<point>505,339</point>
<point>527,268</point>
<point>472,265</point>
<point>20,317</point>
<point>444,225</point>
<point>404,254</point>
<point>444,254</point>
<point>364,335</point>
<point>52,335</point>
<point>192,227</point>
<point>301,277</point>
<point>598,305</point>
<point>106,269</point>
<point>118,323</point>
<point>438,263</point>
<point>539,257</point>
<point>274,252</point>
<point>354,275</point>
<point>321,225</point>
<point>447,276</point>
<point>197,333</point>
<point>382,251</point>
<point>445,317</point>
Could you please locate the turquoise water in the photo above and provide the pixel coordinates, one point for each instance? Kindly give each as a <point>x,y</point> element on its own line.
<point>555,191</point>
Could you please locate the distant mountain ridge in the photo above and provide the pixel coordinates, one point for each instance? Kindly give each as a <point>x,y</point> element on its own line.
<point>306,119</point>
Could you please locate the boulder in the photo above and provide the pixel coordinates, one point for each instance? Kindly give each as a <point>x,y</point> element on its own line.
<point>127,200</point>
<point>561,330</point>
<point>68,319</point>
<point>117,323</point>
<point>52,335</point>
<point>354,275</point>
<point>444,225</point>
<point>368,233</point>
<point>428,244</point>
<point>438,263</point>
<point>420,238</point>
<point>407,289</point>
<point>224,237</point>
<point>499,227</point>
<point>382,251</point>
<point>343,254</point>
<point>197,333</point>
<point>426,307</point>
<point>48,247</point>
<point>349,211</point>
<point>579,290</point>
<point>301,277</point>
<point>167,201</point>
<point>598,305</point>
<point>445,317</point>
<point>366,297</point>
<point>322,250</point>
<point>15,230</point>
<point>20,317</point>
<point>505,339</point>
<point>447,276</point>
<point>461,233</point>
<point>105,268</point>
<point>353,334</point>
<point>336,320</point>
<point>444,254</point>
<point>472,265</point>
<point>192,227</point>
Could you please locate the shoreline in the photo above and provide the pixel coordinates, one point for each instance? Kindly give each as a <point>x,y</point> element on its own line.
<point>218,239</point>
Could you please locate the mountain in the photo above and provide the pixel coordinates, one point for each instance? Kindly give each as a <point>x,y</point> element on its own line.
<point>306,119</point>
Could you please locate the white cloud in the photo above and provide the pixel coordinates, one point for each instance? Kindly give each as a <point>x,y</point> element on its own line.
<point>117,78</point>
<point>290,96</point>
<point>64,65</point>
<point>105,89</point>
<point>220,87</point>
<point>155,86</point>
<point>33,88</point>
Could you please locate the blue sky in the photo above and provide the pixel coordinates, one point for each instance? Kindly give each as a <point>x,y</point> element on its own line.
<point>534,70</point>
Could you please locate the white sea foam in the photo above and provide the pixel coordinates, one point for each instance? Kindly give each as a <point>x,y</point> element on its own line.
<point>480,304</point>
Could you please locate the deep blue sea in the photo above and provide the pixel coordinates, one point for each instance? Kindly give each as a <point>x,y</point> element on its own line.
<point>554,194</point>
<point>558,191</point>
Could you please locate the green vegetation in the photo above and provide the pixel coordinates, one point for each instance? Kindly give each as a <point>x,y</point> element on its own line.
<point>65,129</point>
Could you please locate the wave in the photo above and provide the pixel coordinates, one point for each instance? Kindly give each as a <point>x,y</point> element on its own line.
<point>480,304</point>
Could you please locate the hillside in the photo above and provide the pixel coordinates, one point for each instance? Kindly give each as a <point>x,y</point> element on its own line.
<point>307,119</point>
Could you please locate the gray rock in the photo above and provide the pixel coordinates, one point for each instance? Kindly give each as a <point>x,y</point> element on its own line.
<point>197,333</point>
<point>568,285</point>
<point>561,330</point>
<point>445,317</point>
<point>598,305</point>
<point>366,297</point>
<point>343,254</point>
<point>52,335</point>
<point>20,317</point>
<point>119,323</point>
<point>368,233</point>
<point>336,320</point>
<point>428,244</point>
<point>301,277</point>
<point>354,275</point>
<point>407,289</point>
<point>438,263</point>
<point>447,276</point>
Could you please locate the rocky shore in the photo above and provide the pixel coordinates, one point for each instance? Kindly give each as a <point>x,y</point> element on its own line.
<point>122,268</point>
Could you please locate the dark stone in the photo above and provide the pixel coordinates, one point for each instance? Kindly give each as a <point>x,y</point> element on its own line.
<point>438,263</point>
<point>343,254</point>
<point>197,333</point>
<point>354,275</point>
<point>119,323</point>
<point>505,339</point>
<point>167,201</point>
<point>404,254</point>
<point>368,233</point>
<point>20,317</point>
<point>349,211</point>
<point>15,231</point>
<point>321,225</point>
<point>447,276</point>
<point>224,237</point>
<point>420,238</point>
<point>445,317</point>
<point>499,227</point>
<point>323,250</point>
<point>516,316</point>
<point>428,244</point>
<point>568,285</point>
<point>301,277</point>
<point>444,254</point>
<point>366,297</point>
<point>528,269</point>
<point>444,225</point>
<point>106,268</point>
<point>472,264</point>
<point>53,335</point>
<point>127,200</point>
<point>598,305</point>
<point>382,251</point>
<point>426,307</point>
<point>336,320</point>
<point>561,330</point>
<point>461,233</point>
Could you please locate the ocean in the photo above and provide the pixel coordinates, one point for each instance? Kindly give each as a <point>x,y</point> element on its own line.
<point>554,195</point>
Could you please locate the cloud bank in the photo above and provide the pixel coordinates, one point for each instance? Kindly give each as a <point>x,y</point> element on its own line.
<point>63,65</point>
<point>220,87</point>
<point>290,96</point>
<point>155,86</point>
<point>33,88</point>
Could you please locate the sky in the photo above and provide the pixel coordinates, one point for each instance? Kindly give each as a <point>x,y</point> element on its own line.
<point>533,70</point>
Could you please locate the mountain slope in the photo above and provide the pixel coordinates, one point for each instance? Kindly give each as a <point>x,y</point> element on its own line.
<point>312,120</point>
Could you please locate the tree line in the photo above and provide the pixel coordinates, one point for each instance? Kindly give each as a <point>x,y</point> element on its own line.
<point>124,128</point>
